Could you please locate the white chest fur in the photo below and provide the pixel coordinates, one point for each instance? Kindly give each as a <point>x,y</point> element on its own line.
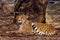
<point>22,25</point>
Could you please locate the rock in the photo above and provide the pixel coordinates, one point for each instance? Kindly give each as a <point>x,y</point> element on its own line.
<point>8,9</point>
<point>53,14</point>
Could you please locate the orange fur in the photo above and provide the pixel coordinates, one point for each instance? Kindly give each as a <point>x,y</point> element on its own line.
<point>48,29</point>
<point>25,27</point>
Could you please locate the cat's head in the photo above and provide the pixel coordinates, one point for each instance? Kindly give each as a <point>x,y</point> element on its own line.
<point>21,19</point>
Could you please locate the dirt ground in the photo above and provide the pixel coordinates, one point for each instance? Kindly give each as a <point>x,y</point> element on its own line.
<point>14,36</point>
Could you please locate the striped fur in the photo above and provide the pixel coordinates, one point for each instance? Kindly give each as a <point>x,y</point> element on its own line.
<point>41,32</point>
<point>37,30</point>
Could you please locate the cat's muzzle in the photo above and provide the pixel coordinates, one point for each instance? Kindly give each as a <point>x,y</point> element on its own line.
<point>20,22</point>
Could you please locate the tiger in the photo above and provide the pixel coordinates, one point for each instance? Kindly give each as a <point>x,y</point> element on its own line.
<point>27,26</point>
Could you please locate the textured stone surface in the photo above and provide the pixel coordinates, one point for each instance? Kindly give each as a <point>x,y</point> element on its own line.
<point>53,14</point>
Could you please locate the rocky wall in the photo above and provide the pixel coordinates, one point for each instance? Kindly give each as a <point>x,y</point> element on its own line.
<point>53,14</point>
